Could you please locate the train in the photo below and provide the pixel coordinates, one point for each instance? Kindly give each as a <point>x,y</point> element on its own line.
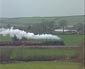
<point>30,43</point>
<point>21,37</point>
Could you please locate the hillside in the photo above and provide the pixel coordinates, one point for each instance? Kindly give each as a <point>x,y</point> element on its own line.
<point>24,21</point>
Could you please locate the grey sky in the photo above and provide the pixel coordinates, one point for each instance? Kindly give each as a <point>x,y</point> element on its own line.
<point>28,8</point>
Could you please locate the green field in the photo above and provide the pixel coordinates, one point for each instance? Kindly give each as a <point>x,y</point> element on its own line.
<point>28,52</point>
<point>35,51</point>
<point>26,21</point>
<point>5,38</point>
<point>72,39</point>
<point>42,65</point>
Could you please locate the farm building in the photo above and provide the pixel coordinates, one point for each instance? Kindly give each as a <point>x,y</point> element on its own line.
<point>65,31</point>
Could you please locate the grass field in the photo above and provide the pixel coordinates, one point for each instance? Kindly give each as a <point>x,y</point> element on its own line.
<point>72,39</point>
<point>30,52</point>
<point>5,38</point>
<point>26,21</point>
<point>26,52</point>
<point>42,65</point>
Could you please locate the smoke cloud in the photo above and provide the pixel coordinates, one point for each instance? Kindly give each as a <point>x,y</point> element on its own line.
<point>21,33</point>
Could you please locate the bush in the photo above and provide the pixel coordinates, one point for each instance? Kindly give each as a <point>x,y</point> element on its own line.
<point>5,55</point>
<point>41,58</point>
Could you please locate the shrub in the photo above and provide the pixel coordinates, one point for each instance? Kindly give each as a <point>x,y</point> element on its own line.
<point>5,55</point>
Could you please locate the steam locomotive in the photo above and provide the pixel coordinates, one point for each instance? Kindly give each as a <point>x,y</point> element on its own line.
<point>29,43</point>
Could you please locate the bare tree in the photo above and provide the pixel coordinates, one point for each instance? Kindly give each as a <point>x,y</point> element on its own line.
<point>46,26</point>
<point>62,24</point>
<point>80,28</point>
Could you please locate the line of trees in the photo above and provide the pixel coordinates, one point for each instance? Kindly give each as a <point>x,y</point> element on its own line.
<point>48,26</point>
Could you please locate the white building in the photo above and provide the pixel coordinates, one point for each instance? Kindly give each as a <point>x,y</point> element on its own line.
<point>65,30</point>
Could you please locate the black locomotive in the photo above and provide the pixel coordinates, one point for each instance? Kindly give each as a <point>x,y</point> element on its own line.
<point>29,43</point>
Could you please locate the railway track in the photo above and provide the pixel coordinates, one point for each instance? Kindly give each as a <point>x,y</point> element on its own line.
<point>38,46</point>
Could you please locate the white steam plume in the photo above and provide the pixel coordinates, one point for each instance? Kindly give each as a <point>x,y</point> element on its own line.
<point>20,34</point>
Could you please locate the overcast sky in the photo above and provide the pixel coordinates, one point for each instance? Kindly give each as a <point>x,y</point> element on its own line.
<point>30,8</point>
